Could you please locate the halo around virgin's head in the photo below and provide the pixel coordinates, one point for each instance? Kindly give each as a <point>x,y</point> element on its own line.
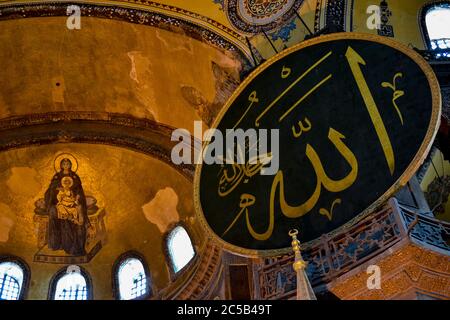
<point>60,157</point>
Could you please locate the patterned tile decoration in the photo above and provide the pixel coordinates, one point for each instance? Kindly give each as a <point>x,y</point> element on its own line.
<point>256,16</point>
<point>317,15</point>
<point>335,14</point>
<point>284,33</point>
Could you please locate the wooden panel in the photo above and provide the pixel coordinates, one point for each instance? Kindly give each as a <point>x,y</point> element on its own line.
<point>239,282</point>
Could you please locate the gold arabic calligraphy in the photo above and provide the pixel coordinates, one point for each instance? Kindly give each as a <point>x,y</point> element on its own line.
<point>233,176</point>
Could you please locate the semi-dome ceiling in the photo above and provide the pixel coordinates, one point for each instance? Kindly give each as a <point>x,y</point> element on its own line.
<point>134,199</point>
<point>111,66</point>
<point>106,96</point>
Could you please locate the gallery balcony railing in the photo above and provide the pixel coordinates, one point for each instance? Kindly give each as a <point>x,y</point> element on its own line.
<point>334,256</point>
<point>425,230</point>
<point>440,50</point>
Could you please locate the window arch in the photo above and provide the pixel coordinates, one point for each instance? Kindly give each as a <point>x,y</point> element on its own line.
<point>131,277</point>
<point>14,278</point>
<point>71,283</point>
<point>435,22</point>
<point>179,249</point>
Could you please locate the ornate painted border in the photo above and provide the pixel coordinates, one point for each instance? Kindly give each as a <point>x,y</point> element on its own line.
<point>335,14</point>
<point>137,134</point>
<point>401,181</point>
<point>317,15</point>
<point>232,12</point>
<point>182,19</point>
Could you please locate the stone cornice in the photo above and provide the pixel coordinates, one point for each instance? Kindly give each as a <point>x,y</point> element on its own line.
<point>137,134</point>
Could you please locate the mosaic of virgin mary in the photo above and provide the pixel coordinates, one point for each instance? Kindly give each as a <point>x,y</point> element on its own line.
<point>65,203</point>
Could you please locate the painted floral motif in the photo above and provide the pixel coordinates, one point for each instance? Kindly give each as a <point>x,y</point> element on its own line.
<point>256,16</point>
<point>264,8</point>
<point>284,33</point>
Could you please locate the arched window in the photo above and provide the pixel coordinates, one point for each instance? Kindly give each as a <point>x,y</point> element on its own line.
<point>71,283</point>
<point>131,277</point>
<point>436,26</point>
<point>11,280</point>
<point>14,275</point>
<point>179,248</point>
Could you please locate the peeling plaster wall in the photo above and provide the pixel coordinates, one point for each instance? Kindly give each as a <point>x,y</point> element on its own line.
<point>107,65</point>
<point>162,209</point>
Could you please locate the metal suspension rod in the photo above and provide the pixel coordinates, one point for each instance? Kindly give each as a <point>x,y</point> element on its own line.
<point>303,22</point>
<point>251,51</point>
<point>274,49</point>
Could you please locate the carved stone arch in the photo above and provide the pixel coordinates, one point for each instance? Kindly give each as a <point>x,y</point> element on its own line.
<point>137,134</point>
